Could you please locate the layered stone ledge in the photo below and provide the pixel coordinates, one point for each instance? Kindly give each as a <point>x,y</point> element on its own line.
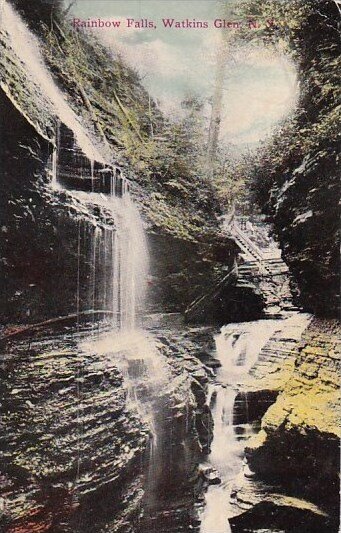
<point>291,466</point>
<point>67,434</point>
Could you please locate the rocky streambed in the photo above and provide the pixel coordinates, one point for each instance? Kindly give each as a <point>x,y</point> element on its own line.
<point>102,429</point>
<point>290,482</point>
<point>147,432</point>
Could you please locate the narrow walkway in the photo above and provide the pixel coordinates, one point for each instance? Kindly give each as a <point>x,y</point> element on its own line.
<point>258,270</point>
<point>257,247</point>
<point>260,262</point>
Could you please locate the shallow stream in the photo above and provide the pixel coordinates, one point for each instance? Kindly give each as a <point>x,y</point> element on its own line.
<point>238,347</point>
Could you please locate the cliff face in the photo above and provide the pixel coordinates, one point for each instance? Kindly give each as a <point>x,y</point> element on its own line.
<point>296,180</point>
<point>91,423</point>
<point>306,214</point>
<point>67,432</point>
<point>293,462</point>
<point>119,116</point>
<point>43,227</point>
<point>290,481</point>
<point>70,430</point>
<point>48,230</point>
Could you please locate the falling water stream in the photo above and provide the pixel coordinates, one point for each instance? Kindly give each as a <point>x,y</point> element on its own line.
<point>238,347</point>
<point>26,47</point>
<point>119,258</point>
<point>119,269</point>
<point>112,250</point>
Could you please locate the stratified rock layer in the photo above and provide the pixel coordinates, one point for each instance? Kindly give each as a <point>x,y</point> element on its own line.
<point>67,433</point>
<point>297,181</point>
<point>306,216</point>
<point>293,462</point>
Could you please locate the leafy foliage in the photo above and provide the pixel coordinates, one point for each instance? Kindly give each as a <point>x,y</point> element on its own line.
<point>308,32</point>
<point>295,176</point>
<point>40,11</point>
<point>167,158</point>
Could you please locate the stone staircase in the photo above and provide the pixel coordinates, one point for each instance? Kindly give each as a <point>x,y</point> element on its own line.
<point>258,282</point>
<point>261,265</point>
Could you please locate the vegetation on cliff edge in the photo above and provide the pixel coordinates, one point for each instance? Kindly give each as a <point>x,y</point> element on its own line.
<point>294,176</point>
<point>162,158</point>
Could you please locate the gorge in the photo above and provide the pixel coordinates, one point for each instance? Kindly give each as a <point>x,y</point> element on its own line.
<point>160,372</point>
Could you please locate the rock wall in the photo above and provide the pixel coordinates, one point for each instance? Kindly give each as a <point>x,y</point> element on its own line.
<point>290,480</point>
<point>182,270</point>
<point>118,114</point>
<point>297,175</point>
<point>79,455</point>
<point>44,227</point>
<point>306,216</point>
<point>67,433</point>
<point>293,462</point>
<point>44,232</point>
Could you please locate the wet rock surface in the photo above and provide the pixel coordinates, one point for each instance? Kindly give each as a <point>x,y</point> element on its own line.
<point>295,455</point>
<point>75,452</point>
<point>299,187</point>
<point>67,432</point>
<point>78,456</point>
<point>306,215</point>
<point>281,516</point>
<point>41,228</point>
<point>184,427</point>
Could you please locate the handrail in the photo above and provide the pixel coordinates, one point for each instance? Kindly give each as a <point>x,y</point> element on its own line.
<point>249,247</point>
<point>195,305</point>
<point>235,229</point>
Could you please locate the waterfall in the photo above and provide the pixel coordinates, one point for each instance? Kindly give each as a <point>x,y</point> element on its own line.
<point>26,48</point>
<point>114,247</point>
<point>109,239</point>
<point>117,255</point>
<point>129,259</point>
<point>238,347</point>
<point>119,259</point>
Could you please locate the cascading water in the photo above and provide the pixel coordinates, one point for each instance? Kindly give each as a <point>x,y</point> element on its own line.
<point>111,243</point>
<point>119,256</point>
<point>113,266</point>
<point>238,347</point>
<point>119,273</point>
<point>26,47</point>
<point>112,246</point>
